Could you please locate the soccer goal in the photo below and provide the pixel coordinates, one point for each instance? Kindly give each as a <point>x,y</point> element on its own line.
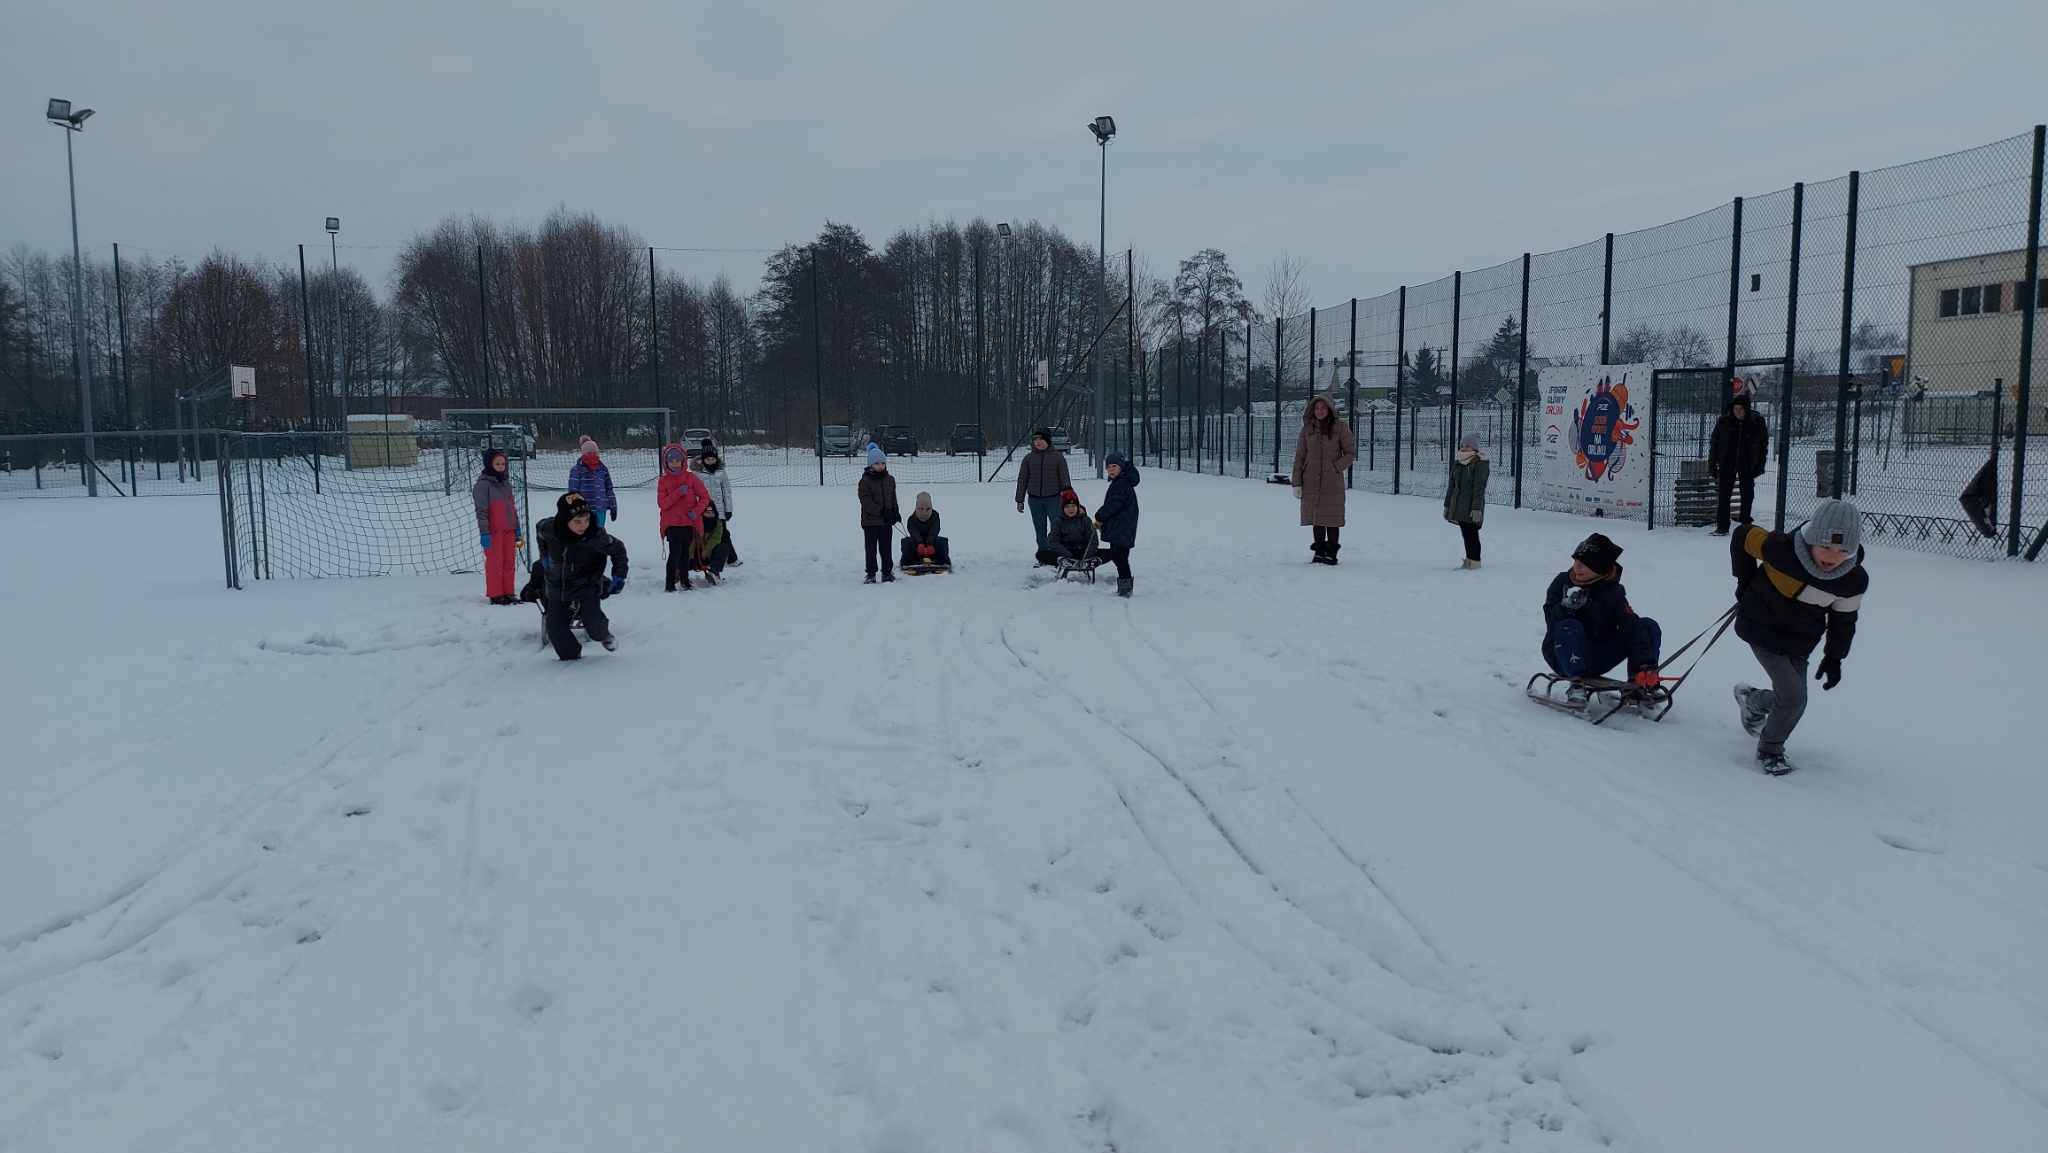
<point>378,499</point>
<point>629,440</point>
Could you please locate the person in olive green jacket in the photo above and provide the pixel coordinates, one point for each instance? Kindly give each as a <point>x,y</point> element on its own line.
<point>1465,494</point>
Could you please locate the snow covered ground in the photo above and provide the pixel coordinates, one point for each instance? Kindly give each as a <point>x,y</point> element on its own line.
<point>1269,857</point>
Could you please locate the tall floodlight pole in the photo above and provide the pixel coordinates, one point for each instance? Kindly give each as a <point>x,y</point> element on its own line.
<point>59,113</point>
<point>1008,384</point>
<point>334,290</point>
<point>1104,127</point>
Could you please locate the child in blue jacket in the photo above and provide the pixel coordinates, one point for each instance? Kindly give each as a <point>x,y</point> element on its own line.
<point>589,477</point>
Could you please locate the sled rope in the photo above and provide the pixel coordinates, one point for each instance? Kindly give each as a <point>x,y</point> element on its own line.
<point>1719,627</point>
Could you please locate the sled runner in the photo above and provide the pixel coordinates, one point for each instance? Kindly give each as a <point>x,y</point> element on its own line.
<point>923,569</point>
<point>1598,699</point>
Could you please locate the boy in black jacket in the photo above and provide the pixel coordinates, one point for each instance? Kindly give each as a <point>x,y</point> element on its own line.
<point>1792,591</point>
<point>573,555</point>
<point>1589,626</point>
<point>1741,446</point>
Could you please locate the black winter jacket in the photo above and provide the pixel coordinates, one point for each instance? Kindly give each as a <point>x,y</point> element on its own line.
<point>575,565</point>
<point>1605,611</point>
<point>1118,515</point>
<point>877,493</point>
<point>1785,609</point>
<point>1741,444</point>
<point>1071,536</point>
<point>922,531</point>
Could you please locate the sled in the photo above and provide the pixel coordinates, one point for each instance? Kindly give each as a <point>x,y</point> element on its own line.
<point>1652,701</point>
<point>1605,697</point>
<point>923,569</point>
<point>1080,569</point>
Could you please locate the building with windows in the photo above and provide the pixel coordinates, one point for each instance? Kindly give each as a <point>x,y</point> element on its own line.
<point>1964,329</point>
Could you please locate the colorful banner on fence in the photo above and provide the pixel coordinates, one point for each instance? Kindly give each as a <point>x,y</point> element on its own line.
<point>1596,439</point>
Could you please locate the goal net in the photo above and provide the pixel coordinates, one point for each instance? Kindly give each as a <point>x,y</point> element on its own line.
<point>380,499</point>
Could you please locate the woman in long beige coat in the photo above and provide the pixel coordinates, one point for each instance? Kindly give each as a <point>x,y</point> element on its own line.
<point>1321,458</point>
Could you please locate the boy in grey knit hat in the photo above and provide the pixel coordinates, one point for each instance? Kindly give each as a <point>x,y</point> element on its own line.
<point>1793,591</point>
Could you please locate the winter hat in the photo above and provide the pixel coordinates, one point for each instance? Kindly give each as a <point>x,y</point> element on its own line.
<point>492,454</point>
<point>924,502</point>
<point>706,445</point>
<point>1042,433</point>
<point>1116,458</point>
<point>876,455</point>
<point>1834,524</point>
<point>1471,441</point>
<point>585,443</point>
<point>674,459</point>
<point>1598,553</point>
<point>1069,496</point>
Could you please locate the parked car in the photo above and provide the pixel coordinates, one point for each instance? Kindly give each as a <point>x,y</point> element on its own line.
<point>693,442</point>
<point>513,439</point>
<point>897,440</point>
<point>1061,442</point>
<point>836,440</point>
<point>964,439</point>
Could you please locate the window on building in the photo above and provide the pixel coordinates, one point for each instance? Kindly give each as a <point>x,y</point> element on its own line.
<point>1994,298</point>
<point>1948,301</point>
<point>2022,295</point>
<point>1973,301</point>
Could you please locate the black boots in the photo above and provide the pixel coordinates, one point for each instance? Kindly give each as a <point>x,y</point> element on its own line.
<point>1123,587</point>
<point>1326,552</point>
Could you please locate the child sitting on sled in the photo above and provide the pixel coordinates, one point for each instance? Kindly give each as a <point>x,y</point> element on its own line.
<point>922,544</point>
<point>1589,626</point>
<point>1073,536</point>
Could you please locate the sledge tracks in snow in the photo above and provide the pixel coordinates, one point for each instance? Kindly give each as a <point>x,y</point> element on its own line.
<point>1247,855</point>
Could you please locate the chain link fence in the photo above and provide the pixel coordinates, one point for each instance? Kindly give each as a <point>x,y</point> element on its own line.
<point>1885,325</point>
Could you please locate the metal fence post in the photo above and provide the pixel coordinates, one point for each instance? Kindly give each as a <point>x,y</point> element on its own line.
<point>1785,389</point>
<point>1457,315</point>
<point>1130,353</point>
<point>1607,304</point>
<point>817,369</point>
<point>1400,379</point>
<point>1180,402</point>
<point>1734,298</point>
<point>1848,325</point>
<point>2026,380</point>
<point>312,392</point>
<point>1249,330</point>
<point>1522,380</point>
<point>1351,388</point>
<point>1278,329</point>
<point>1650,513</point>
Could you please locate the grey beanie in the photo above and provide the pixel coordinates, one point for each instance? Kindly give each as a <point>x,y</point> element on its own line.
<point>1834,524</point>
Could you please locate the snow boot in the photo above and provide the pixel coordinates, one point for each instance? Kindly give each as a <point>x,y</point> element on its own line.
<point>1468,565</point>
<point>870,579</point>
<point>1774,764</point>
<point>505,600</point>
<point>610,643</point>
<point>1330,552</point>
<point>1754,715</point>
<point>888,578</point>
<point>1123,587</point>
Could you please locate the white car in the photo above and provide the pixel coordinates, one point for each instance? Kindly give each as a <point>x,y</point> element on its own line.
<point>514,439</point>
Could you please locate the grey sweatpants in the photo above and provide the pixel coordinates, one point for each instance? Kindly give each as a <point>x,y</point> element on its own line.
<point>1785,700</point>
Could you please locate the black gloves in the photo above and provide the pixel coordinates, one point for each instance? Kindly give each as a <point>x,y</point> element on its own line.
<point>1829,674</point>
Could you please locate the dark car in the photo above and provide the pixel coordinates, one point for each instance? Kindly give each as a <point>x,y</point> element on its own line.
<point>836,440</point>
<point>896,440</point>
<point>965,438</point>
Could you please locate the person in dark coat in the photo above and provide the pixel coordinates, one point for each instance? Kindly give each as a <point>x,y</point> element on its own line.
<point>1589,626</point>
<point>1741,445</point>
<point>574,552</point>
<point>1073,535</point>
<point>878,513</point>
<point>1041,477</point>
<point>922,543</point>
<point>1117,519</point>
<point>1795,591</point>
<point>1465,494</point>
<point>1323,454</point>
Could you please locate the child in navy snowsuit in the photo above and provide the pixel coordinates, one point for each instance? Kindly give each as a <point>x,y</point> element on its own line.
<point>1117,519</point>
<point>590,477</point>
<point>1589,626</point>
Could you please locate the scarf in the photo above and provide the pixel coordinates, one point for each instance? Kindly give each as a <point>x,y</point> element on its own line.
<point>590,460</point>
<point>1812,564</point>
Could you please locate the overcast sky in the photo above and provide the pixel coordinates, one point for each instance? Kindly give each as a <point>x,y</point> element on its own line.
<point>1375,146</point>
